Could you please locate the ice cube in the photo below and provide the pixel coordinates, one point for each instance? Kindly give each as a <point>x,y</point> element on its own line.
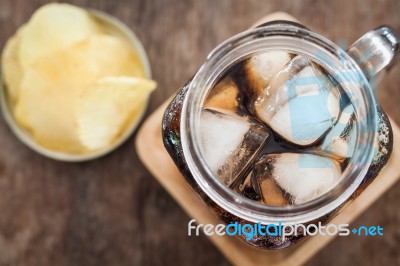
<point>225,95</point>
<point>250,188</point>
<point>341,139</point>
<point>229,143</point>
<point>301,103</point>
<point>300,177</point>
<point>276,94</point>
<point>261,68</point>
<point>272,194</point>
<point>269,191</point>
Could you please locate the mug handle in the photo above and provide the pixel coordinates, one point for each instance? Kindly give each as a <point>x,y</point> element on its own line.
<point>375,50</point>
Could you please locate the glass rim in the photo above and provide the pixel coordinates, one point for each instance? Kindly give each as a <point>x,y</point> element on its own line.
<point>280,36</point>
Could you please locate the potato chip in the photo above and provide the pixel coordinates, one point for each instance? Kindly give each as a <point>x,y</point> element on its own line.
<point>54,27</point>
<point>105,55</point>
<point>50,89</point>
<point>105,110</point>
<point>10,66</point>
<point>44,108</point>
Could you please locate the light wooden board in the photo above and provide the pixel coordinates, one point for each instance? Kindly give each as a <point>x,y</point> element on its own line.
<point>153,154</point>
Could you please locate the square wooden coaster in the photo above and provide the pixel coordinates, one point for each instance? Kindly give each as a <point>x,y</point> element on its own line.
<point>151,151</point>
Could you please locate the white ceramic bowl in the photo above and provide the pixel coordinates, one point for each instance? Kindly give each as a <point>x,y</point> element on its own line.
<point>116,27</point>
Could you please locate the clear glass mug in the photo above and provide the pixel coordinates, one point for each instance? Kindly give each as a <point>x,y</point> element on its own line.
<point>355,71</point>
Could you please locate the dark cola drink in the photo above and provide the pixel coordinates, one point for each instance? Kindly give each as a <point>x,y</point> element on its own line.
<point>277,129</point>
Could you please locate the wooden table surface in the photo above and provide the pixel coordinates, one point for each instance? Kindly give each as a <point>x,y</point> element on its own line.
<point>111,211</point>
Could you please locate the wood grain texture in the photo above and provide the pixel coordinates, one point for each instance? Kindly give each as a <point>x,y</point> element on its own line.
<point>111,211</point>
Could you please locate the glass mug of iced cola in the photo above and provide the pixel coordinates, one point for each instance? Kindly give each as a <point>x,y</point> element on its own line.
<point>280,126</point>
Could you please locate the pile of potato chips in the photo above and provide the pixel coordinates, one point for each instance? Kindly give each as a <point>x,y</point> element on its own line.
<point>72,85</point>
